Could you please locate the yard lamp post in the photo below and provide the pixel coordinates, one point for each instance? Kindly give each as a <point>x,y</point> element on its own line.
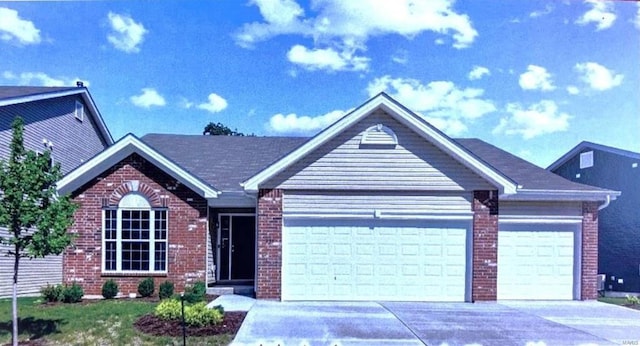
<point>184,328</point>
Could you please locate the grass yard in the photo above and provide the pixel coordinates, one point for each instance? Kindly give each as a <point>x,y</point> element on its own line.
<point>618,301</point>
<point>104,322</point>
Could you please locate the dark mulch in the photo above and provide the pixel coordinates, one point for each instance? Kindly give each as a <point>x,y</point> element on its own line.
<point>150,324</point>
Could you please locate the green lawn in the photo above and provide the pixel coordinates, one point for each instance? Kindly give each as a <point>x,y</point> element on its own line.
<point>105,322</point>
<point>611,300</point>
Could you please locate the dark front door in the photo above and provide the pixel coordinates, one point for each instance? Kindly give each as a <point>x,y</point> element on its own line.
<point>236,240</point>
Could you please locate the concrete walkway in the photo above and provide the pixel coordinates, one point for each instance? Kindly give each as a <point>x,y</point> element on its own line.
<point>418,323</point>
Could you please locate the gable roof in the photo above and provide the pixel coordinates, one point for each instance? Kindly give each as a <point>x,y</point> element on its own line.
<point>126,146</point>
<point>584,145</point>
<point>223,161</point>
<point>404,116</point>
<point>20,94</point>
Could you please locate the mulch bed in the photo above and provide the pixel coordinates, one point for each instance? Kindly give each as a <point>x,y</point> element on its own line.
<point>150,324</point>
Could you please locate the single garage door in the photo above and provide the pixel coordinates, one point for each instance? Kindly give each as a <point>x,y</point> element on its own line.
<point>373,260</point>
<point>535,264</point>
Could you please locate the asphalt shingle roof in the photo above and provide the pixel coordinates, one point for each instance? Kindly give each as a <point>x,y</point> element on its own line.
<point>226,161</point>
<point>9,92</point>
<point>223,161</point>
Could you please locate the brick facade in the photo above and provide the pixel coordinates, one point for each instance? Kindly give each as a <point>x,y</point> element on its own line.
<point>187,222</point>
<point>485,246</point>
<point>269,244</point>
<point>589,270</point>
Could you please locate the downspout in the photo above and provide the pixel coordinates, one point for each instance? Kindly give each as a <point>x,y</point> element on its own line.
<point>606,203</point>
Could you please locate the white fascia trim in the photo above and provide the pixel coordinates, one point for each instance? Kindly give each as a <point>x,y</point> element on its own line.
<point>562,195</point>
<point>381,215</point>
<point>120,150</point>
<point>505,185</point>
<point>539,219</point>
<point>97,116</point>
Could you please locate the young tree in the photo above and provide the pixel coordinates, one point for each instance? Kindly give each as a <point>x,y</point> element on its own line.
<point>35,217</point>
<point>220,129</point>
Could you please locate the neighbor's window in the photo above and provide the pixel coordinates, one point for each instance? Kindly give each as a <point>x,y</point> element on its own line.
<point>134,237</point>
<point>586,159</point>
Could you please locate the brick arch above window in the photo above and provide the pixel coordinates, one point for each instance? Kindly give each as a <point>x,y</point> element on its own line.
<point>137,187</point>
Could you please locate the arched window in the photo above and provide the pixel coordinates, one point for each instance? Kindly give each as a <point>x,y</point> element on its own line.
<point>134,237</point>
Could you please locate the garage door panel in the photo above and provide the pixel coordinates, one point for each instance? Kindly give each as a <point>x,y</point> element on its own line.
<point>535,264</point>
<point>365,262</point>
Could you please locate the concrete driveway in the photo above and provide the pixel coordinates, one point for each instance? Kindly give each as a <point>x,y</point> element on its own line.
<point>393,323</point>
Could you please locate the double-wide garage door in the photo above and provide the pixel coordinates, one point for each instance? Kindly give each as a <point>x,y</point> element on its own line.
<point>536,262</point>
<point>374,260</point>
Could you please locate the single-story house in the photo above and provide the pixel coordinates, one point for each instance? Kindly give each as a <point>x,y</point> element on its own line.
<point>380,205</point>
<point>619,224</point>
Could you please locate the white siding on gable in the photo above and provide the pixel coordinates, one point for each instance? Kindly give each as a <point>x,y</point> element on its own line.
<point>343,164</point>
<point>366,204</point>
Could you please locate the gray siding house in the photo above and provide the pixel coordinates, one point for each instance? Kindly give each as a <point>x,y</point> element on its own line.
<point>66,120</point>
<point>619,224</point>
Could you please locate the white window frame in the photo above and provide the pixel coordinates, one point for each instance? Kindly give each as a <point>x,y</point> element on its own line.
<point>79,111</point>
<point>134,202</point>
<point>586,159</point>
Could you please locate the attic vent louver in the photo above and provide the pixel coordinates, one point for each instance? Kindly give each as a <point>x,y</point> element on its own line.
<point>379,135</point>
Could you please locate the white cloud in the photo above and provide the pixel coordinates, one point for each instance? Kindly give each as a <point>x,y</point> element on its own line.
<point>400,57</point>
<point>347,25</point>
<point>441,102</point>
<point>214,104</point>
<point>126,34</point>
<point>478,72</point>
<point>326,59</point>
<point>536,78</point>
<point>296,124</point>
<point>573,90</point>
<point>41,79</point>
<point>597,76</point>
<point>540,13</point>
<point>149,98</point>
<point>538,119</point>
<point>14,28</point>
<point>601,13</point>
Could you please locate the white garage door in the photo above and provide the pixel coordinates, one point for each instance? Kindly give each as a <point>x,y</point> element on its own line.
<point>373,260</point>
<point>535,264</point>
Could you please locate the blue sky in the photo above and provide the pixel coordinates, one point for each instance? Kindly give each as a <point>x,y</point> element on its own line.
<point>532,77</point>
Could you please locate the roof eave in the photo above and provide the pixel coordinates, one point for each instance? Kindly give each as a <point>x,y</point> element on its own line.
<point>561,195</point>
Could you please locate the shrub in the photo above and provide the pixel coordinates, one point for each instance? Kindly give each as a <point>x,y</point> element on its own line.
<point>199,315</point>
<point>73,293</point>
<point>146,287</point>
<point>166,290</point>
<point>195,293</point>
<point>109,289</point>
<point>169,309</point>
<point>633,300</point>
<point>52,293</point>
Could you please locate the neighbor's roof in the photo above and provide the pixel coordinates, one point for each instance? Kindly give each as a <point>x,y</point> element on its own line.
<point>222,161</point>
<point>585,145</point>
<point>10,95</point>
<point>527,175</point>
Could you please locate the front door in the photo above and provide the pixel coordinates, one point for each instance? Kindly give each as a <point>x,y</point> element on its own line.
<point>236,244</point>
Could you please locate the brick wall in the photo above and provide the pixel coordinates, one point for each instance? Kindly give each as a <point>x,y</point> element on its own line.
<point>485,245</point>
<point>187,222</point>
<point>589,284</point>
<point>269,244</point>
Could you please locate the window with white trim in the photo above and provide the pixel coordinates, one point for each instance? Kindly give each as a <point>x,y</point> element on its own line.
<point>134,237</point>
<point>79,111</point>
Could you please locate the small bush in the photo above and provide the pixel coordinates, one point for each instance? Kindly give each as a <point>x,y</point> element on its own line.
<point>195,293</point>
<point>109,289</point>
<point>73,293</point>
<point>633,300</point>
<point>199,315</point>
<point>166,290</point>
<point>146,287</point>
<point>169,309</point>
<point>52,293</point>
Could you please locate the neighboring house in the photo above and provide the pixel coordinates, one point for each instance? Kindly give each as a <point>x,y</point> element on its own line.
<point>619,224</point>
<point>66,120</point>
<point>378,206</point>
